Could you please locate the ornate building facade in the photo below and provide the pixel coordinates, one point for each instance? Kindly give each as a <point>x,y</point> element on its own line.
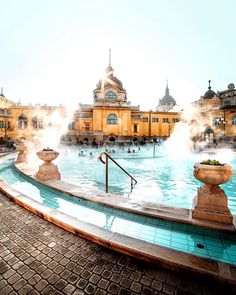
<point>110,118</point>
<point>218,114</point>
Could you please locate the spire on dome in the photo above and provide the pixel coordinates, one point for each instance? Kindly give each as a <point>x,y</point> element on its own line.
<point>2,92</point>
<point>167,88</point>
<point>209,87</point>
<point>109,57</point>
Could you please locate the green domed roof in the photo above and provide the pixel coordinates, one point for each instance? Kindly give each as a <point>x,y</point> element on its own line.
<point>209,93</point>
<point>167,99</point>
<point>110,80</point>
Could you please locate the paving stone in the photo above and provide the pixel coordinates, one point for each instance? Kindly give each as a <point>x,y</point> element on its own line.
<point>125,272</point>
<point>156,285</point>
<point>34,279</point>
<point>86,274</point>
<point>106,274</point>
<point>113,288</point>
<point>58,269</point>
<point>6,290</point>
<point>27,275</point>
<point>19,284</point>
<point>52,265</point>
<point>81,283</point>
<point>3,283</point>
<point>147,291</point>
<point>73,278</point>
<point>123,291</point>
<point>136,287</point>
<point>103,283</point>
<point>98,269</point>
<point>23,269</point>
<point>168,289</point>
<point>146,281</point>
<point>53,279</point>
<point>8,273</point>
<point>65,274</point>
<point>71,265</point>
<point>26,289</point>
<point>46,273</point>
<point>69,289</point>
<point>60,284</point>
<point>116,278</point>
<point>14,278</point>
<point>99,292</point>
<point>126,283</point>
<point>90,289</point>
<point>135,276</point>
<point>90,265</point>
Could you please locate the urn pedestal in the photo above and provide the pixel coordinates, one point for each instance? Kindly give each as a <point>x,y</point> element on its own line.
<point>21,157</point>
<point>48,170</point>
<point>211,202</point>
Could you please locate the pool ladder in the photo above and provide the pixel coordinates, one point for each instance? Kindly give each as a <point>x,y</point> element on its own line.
<point>133,180</point>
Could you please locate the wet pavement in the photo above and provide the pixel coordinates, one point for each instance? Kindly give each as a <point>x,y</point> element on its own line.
<point>37,257</point>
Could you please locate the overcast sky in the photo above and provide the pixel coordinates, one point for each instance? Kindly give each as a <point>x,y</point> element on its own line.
<point>55,51</point>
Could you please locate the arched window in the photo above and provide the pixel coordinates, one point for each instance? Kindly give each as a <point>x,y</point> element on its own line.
<point>37,122</point>
<point>111,95</point>
<point>112,119</point>
<point>234,120</point>
<point>22,122</point>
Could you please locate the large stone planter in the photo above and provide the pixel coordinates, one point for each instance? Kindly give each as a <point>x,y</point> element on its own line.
<point>211,202</point>
<point>21,157</point>
<point>48,170</point>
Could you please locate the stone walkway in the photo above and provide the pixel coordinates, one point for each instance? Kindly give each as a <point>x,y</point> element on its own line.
<point>37,257</point>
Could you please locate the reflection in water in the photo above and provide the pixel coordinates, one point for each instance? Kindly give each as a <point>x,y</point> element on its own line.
<point>109,221</point>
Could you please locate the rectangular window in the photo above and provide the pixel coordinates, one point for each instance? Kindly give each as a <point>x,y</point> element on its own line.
<point>175,120</point>
<point>1,124</point>
<point>226,103</point>
<point>165,120</point>
<point>135,127</point>
<point>155,120</point>
<point>87,126</point>
<point>145,119</point>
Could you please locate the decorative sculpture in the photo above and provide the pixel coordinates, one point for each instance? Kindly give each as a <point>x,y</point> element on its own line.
<point>48,170</point>
<point>211,202</point>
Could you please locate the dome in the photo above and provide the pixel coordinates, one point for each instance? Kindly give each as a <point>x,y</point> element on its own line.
<point>231,86</point>
<point>209,93</point>
<point>167,99</point>
<point>110,80</point>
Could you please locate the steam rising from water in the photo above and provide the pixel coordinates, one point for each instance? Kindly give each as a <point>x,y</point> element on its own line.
<point>187,139</point>
<point>57,125</point>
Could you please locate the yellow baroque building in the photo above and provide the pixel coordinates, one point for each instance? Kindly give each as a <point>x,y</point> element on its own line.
<point>111,117</point>
<point>217,113</point>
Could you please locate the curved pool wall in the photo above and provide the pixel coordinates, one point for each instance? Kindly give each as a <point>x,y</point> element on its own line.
<point>161,179</point>
<point>203,242</point>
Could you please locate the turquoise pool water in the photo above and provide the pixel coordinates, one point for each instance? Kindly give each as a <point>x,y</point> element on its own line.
<point>216,245</point>
<point>165,178</point>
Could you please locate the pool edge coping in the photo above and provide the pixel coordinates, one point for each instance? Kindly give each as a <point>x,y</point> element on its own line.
<point>165,212</point>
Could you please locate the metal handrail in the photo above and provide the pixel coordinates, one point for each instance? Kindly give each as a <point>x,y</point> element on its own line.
<point>106,162</point>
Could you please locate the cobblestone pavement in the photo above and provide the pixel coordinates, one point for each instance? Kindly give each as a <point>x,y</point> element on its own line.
<point>37,257</point>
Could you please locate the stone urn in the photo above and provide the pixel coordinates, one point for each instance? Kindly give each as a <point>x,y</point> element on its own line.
<point>21,157</point>
<point>211,202</point>
<point>48,170</point>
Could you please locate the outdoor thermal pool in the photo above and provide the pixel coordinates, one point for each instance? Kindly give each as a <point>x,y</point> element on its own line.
<point>163,178</point>
<point>187,238</point>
